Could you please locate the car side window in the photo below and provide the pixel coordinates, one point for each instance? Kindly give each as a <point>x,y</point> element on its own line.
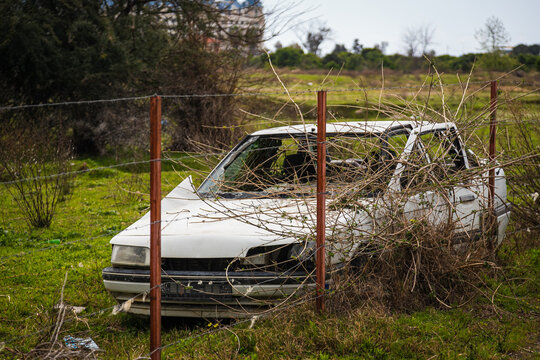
<point>368,161</point>
<point>473,159</point>
<point>436,155</point>
<point>416,168</point>
<point>444,152</point>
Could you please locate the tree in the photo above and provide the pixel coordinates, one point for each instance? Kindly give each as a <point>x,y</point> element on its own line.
<point>382,46</point>
<point>339,48</point>
<point>493,35</point>
<point>310,61</point>
<point>54,50</point>
<point>425,37</point>
<point>415,38</point>
<point>526,49</point>
<point>95,49</point>
<point>410,41</point>
<point>287,56</point>
<point>357,47</point>
<point>373,57</point>
<point>314,38</point>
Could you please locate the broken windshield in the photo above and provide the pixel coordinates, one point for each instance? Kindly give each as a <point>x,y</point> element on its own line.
<point>286,166</point>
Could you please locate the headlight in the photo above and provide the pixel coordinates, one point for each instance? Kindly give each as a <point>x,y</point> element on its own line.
<point>130,256</point>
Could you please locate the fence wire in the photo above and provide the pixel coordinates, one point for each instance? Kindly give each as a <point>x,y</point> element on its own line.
<point>114,166</point>
<point>260,93</point>
<point>170,159</point>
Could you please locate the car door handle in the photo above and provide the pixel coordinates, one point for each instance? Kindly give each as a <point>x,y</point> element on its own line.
<point>467,198</point>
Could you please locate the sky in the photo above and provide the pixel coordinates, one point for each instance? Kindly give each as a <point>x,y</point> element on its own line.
<point>455,21</point>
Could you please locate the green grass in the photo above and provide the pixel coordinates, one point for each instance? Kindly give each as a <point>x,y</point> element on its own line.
<point>104,202</point>
<point>98,207</point>
<point>453,334</point>
<point>33,284</point>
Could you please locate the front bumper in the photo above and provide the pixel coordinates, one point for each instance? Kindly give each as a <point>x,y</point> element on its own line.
<point>206,294</point>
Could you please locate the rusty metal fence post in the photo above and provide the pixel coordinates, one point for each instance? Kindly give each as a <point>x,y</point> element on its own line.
<point>155,228</point>
<point>321,199</point>
<point>492,139</point>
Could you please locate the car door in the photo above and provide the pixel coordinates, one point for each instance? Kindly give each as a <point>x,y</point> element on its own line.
<point>468,210</point>
<point>424,201</point>
<point>457,188</point>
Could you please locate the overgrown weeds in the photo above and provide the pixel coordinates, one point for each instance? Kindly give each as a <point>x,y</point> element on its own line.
<point>427,270</point>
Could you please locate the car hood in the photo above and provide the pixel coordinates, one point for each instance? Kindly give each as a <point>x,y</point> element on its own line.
<point>194,227</point>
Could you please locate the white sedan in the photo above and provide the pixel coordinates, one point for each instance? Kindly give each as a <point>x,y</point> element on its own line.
<point>245,238</point>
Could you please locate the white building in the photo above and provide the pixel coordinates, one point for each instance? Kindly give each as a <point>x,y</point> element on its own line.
<point>238,24</point>
<point>241,25</point>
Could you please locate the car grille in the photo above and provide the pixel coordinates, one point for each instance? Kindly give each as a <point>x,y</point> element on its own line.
<point>190,264</point>
<point>278,261</point>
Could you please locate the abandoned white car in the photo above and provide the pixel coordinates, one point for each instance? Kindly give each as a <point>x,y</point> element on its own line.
<point>245,238</point>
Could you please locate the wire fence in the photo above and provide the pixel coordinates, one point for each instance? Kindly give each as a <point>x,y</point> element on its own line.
<point>100,168</point>
<point>176,159</point>
<point>216,210</point>
<point>264,93</point>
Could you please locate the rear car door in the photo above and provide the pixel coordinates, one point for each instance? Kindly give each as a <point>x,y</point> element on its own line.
<point>425,200</point>
<point>449,168</point>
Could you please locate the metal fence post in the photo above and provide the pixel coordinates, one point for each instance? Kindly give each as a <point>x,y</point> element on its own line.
<point>321,199</point>
<point>155,228</point>
<point>492,139</point>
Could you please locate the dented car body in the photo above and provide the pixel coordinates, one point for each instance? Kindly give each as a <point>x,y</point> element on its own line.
<point>244,239</point>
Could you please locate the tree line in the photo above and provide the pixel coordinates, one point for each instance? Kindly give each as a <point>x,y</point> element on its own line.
<point>492,38</point>
<point>526,56</point>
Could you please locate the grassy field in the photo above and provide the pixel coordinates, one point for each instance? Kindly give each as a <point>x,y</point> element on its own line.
<point>502,322</point>
<point>402,96</point>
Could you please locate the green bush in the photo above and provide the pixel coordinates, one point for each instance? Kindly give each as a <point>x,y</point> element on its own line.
<point>497,62</point>
<point>310,61</point>
<point>287,57</point>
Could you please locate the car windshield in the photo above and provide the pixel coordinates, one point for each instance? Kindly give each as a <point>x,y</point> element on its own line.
<point>285,165</point>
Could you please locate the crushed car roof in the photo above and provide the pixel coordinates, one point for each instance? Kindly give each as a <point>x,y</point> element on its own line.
<point>341,127</point>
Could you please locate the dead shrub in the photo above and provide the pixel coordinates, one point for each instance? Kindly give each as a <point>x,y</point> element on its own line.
<point>53,345</point>
<point>424,266</point>
<point>32,154</point>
